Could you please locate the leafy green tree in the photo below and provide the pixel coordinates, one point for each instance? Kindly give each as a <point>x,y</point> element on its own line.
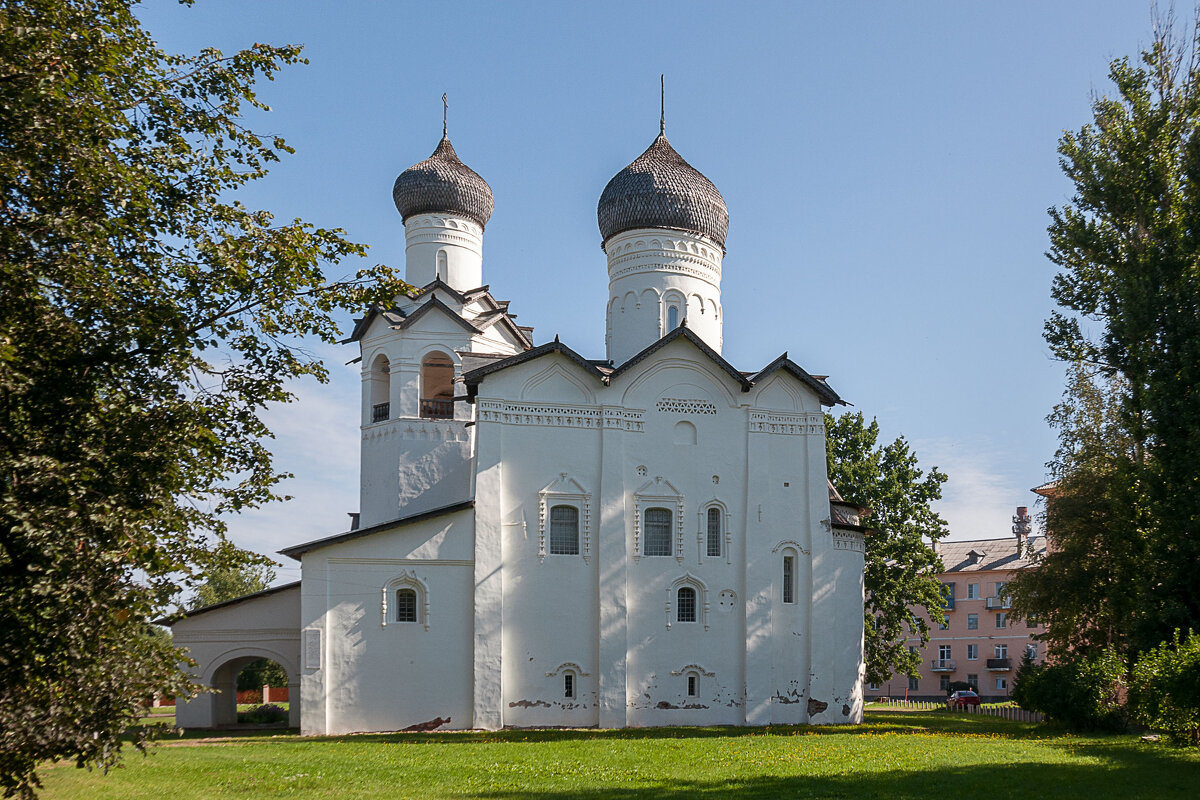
<point>901,569</point>
<point>1087,587</point>
<point>146,320</point>
<point>1129,292</point>
<point>229,581</point>
<point>1164,691</point>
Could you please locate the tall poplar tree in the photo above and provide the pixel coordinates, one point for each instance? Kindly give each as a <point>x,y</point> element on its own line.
<point>146,319</point>
<point>901,576</point>
<point>1128,245</point>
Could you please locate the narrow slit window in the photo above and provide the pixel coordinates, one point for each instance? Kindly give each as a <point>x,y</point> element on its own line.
<point>564,531</point>
<point>714,532</point>
<point>568,685</point>
<point>406,605</point>
<point>658,532</point>
<point>789,579</point>
<point>692,687</point>
<point>672,317</point>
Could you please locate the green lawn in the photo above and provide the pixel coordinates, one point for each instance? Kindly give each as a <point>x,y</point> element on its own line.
<point>923,755</point>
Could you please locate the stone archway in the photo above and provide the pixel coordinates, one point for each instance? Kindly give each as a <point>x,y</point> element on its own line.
<point>218,709</point>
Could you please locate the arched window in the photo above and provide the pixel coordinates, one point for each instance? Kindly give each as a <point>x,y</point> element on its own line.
<point>406,605</point>
<point>442,270</point>
<point>789,577</point>
<point>658,532</point>
<point>569,684</point>
<point>685,604</point>
<point>714,532</point>
<point>381,389</point>
<point>693,685</point>
<point>437,386</point>
<point>672,317</point>
<point>564,531</point>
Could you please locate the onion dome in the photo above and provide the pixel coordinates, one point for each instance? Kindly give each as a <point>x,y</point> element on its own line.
<point>443,184</point>
<point>661,190</point>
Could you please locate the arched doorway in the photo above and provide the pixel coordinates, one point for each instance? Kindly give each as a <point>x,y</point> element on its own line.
<point>218,709</point>
<point>437,386</point>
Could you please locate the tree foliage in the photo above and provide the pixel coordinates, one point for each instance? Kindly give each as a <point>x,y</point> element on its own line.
<point>901,569</point>
<point>146,319</point>
<point>1129,290</point>
<point>232,580</point>
<point>1164,691</point>
<point>1081,692</point>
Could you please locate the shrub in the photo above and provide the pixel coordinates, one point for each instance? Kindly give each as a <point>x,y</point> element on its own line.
<point>264,714</point>
<point>1165,690</point>
<point>1083,693</point>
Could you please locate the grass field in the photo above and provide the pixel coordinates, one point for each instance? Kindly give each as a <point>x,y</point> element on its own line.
<point>923,755</point>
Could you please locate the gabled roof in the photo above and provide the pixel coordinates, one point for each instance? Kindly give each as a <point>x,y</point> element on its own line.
<point>472,378</point>
<point>298,550</point>
<point>683,331</point>
<point>224,603</point>
<point>438,283</point>
<point>393,316</point>
<point>828,396</point>
<point>440,305</point>
<point>992,554</point>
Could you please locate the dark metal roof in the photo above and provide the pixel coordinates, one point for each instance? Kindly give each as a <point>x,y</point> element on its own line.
<point>205,609</point>
<point>442,183</point>
<point>300,549</point>
<point>472,378</point>
<point>824,391</point>
<point>661,190</point>
<point>994,554</point>
<point>683,331</point>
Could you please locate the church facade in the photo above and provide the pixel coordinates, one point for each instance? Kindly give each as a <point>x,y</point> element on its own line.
<point>546,539</point>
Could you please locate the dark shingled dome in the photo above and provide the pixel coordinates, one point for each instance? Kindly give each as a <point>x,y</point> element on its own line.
<point>443,184</point>
<point>661,190</point>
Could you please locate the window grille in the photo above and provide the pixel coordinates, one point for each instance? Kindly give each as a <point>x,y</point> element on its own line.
<point>406,605</point>
<point>568,685</point>
<point>714,532</point>
<point>789,579</point>
<point>658,532</point>
<point>692,687</point>
<point>564,531</point>
<point>685,604</point>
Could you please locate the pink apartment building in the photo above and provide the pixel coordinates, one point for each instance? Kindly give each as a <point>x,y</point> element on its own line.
<point>980,644</point>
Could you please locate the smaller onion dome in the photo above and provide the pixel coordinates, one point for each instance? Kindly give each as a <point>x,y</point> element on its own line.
<point>443,184</point>
<point>661,190</point>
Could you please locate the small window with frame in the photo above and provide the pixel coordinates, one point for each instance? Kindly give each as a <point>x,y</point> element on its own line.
<point>564,531</point>
<point>569,685</point>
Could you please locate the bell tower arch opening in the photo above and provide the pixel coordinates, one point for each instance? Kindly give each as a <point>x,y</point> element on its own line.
<point>437,386</point>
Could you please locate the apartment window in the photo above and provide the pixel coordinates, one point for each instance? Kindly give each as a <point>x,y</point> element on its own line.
<point>406,605</point>
<point>789,579</point>
<point>972,622</point>
<point>944,652</point>
<point>1001,619</point>
<point>658,532</point>
<point>972,652</point>
<point>564,531</point>
<point>693,688</point>
<point>1031,651</point>
<point>714,532</point>
<point>972,591</point>
<point>1000,588</point>
<point>944,683</point>
<point>942,626</point>
<point>914,684</point>
<point>1001,684</point>
<point>568,685</point>
<point>1031,622</point>
<point>973,680</point>
<point>1001,651</point>
<point>685,604</point>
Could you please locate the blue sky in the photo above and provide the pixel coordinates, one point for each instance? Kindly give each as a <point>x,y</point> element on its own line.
<point>887,168</point>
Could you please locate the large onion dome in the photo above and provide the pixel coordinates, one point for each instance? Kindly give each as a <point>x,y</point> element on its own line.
<point>443,184</point>
<point>661,190</point>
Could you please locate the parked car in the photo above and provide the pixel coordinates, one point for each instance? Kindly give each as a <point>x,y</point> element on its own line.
<point>962,698</point>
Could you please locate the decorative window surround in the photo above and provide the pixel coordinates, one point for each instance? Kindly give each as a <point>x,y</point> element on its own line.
<point>653,494</point>
<point>702,608</point>
<point>693,668</point>
<point>792,543</point>
<point>702,531</point>
<point>565,491</point>
<point>782,422</point>
<point>568,666</point>
<point>405,580</point>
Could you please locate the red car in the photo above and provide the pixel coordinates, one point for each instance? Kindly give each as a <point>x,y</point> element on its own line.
<point>963,698</point>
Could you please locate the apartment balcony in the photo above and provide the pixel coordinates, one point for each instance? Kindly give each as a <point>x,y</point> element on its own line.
<point>437,408</point>
<point>999,664</point>
<point>999,602</point>
<point>941,665</point>
<point>380,412</point>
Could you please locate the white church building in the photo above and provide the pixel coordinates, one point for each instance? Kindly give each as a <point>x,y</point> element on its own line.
<point>546,539</point>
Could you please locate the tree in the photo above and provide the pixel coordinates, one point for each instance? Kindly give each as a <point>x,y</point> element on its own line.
<point>1087,586</point>
<point>1129,292</point>
<point>146,319</point>
<point>227,582</point>
<point>901,570</point>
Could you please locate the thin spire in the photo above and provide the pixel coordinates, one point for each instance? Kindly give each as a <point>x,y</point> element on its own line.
<point>445,113</point>
<point>662,105</point>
